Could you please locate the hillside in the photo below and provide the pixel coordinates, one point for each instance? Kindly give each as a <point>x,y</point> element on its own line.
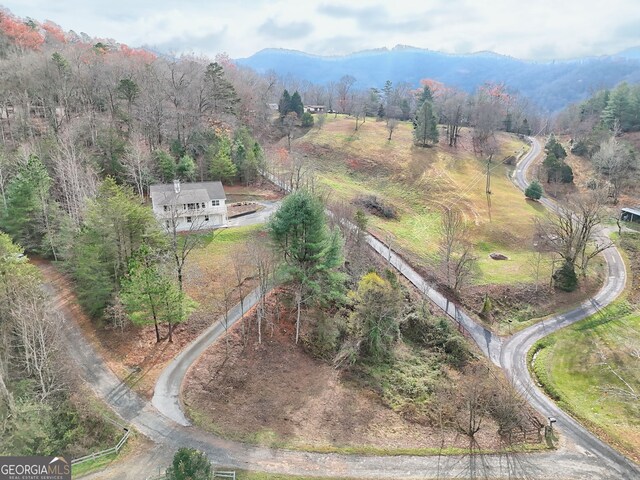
<point>550,85</point>
<point>418,183</point>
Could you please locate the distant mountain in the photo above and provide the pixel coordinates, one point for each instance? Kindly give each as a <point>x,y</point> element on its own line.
<point>550,85</point>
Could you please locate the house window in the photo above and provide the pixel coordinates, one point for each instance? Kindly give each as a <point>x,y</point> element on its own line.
<point>206,218</point>
<point>203,205</point>
<point>166,208</point>
<point>168,223</point>
<point>192,206</point>
<point>215,203</point>
<point>188,219</point>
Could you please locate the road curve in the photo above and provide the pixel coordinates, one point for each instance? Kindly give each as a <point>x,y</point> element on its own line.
<point>513,357</point>
<point>170,429</point>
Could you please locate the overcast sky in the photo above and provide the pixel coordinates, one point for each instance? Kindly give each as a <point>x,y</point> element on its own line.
<point>530,29</point>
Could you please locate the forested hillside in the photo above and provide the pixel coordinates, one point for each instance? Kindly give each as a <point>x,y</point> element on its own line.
<point>86,125</point>
<point>549,85</point>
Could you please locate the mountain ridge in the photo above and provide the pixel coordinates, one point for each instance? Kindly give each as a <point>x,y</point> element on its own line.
<point>552,85</point>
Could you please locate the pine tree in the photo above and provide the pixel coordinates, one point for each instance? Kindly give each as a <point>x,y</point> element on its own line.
<point>284,105</point>
<point>533,190</point>
<point>426,129</point>
<point>189,464</point>
<point>296,104</point>
<point>32,218</point>
<point>311,252</point>
<point>221,167</point>
<point>150,296</point>
<point>222,94</point>
<point>186,169</point>
<point>166,166</point>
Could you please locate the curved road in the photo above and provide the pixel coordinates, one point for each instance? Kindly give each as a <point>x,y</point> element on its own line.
<point>590,459</point>
<point>514,353</point>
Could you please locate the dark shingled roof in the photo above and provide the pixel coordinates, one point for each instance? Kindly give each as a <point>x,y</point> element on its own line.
<point>165,194</point>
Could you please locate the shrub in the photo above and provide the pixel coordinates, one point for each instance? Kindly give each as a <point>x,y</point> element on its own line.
<point>534,191</point>
<point>580,148</point>
<point>189,464</point>
<point>565,278</point>
<point>307,120</point>
<point>377,206</point>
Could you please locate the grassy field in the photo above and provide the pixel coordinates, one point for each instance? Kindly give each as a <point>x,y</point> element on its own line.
<point>210,266</point>
<point>585,366</point>
<point>593,367</point>
<point>419,182</point>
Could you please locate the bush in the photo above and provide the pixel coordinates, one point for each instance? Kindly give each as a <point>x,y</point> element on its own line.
<point>565,278</point>
<point>307,120</point>
<point>534,191</point>
<point>189,464</point>
<point>580,148</point>
<point>377,206</point>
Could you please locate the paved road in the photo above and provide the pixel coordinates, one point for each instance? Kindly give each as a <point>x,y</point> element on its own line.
<point>170,429</point>
<point>514,352</point>
<point>166,395</point>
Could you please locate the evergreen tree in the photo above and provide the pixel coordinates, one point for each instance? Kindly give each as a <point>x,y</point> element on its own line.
<point>31,217</point>
<point>425,96</point>
<point>426,128</point>
<point>115,227</point>
<point>221,167</point>
<point>310,250</point>
<point>166,166</point>
<point>247,155</point>
<point>555,147</point>
<point>377,305</point>
<point>186,169</point>
<point>150,296</point>
<point>381,112</point>
<point>221,93</point>
<point>307,120</point>
<point>533,190</point>
<point>296,104</point>
<point>284,105</point>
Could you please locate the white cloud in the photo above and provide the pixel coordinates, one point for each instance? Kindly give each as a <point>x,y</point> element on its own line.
<point>538,29</point>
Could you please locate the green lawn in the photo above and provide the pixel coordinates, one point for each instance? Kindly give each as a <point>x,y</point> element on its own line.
<point>584,366</point>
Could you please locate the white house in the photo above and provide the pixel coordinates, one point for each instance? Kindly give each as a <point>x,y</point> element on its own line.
<point>191,206</point>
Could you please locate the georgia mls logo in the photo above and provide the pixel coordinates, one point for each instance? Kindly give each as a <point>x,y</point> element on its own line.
<point>34,468</point>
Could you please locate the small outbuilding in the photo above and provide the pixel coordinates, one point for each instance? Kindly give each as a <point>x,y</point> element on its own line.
<point>630,214</point>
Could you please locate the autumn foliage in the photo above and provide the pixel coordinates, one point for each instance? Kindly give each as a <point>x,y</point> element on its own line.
<point>23,35</point>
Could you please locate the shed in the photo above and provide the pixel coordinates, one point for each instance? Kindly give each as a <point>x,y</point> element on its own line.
<point>630,214</point>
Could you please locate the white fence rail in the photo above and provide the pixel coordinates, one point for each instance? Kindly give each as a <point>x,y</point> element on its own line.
<point>108,451</point>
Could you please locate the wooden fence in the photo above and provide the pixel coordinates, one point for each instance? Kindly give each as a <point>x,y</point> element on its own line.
<point>108,451</point>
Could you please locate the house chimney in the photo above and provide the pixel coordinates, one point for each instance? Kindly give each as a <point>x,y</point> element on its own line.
<point>176,186</point>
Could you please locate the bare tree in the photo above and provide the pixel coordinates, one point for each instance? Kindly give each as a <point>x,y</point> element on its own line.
<point>456,254</point>
<point>572,230</point>
<point>288,124</point>
<point>75,177</point>
<point>263,262</point>
<point>137,165</point>
<point>615,161</point>
<point>37,331</point>
<point>627,391</point>
<point>240,264</point>
<point>392,123</point>
<point>343,90</point>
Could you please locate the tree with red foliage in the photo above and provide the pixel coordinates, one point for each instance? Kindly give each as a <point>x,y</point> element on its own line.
<point>54,31</point>
<point>22,35</point>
